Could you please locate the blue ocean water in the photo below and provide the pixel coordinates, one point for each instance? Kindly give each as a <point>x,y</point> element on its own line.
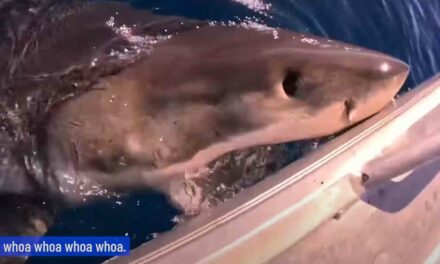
<point>407,29</point>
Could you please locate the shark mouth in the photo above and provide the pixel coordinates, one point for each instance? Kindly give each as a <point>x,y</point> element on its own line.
<point>226,176</point>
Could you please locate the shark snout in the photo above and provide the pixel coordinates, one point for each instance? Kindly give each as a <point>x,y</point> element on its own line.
<point>352,84</point>
<point>385,76</point>
<point>392,67</point>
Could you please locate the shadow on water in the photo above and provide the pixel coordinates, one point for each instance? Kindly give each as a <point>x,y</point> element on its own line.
<point>140,216</point>
<point>206,10</point>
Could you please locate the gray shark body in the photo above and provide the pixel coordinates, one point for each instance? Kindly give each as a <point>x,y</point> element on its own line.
<point>92,105</point>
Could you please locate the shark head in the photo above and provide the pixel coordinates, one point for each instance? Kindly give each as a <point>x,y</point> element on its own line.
<point>212,90</point>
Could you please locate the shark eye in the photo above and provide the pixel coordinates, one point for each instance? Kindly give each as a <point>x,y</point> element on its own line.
<point>291,83</point>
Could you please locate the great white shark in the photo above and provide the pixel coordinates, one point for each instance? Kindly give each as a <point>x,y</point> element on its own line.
<point>101,96</point>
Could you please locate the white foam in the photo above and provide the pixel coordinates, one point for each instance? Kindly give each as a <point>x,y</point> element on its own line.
<point>140,44</point>
<point>255,5</point>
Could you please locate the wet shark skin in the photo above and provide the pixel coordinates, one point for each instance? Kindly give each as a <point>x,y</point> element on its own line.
<point>212,90</point>
<point>149,120</point>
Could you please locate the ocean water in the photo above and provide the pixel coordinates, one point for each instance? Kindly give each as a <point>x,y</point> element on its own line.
<point>406,29</point>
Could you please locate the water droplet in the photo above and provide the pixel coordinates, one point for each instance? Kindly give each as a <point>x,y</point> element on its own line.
<point>93,62</point>
<point>176,219</point>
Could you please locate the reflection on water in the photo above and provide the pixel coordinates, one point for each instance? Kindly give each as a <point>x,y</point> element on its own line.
<point>407,29</point>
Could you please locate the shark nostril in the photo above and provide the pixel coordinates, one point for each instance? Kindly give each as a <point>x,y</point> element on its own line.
<point>290,83</point>
<point>349,105</point>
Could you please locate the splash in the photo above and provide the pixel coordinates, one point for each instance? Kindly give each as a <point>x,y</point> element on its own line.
<point>140,45</point>
<point>255,5</point>
<point>248,23</point>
